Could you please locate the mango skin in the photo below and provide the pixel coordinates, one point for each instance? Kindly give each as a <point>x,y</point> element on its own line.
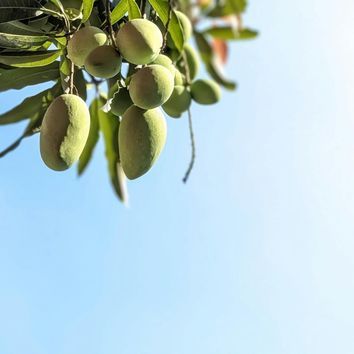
<point>64,131</point>
<point>205,92</point>
<point>151,86</point>
<point>121,102</point>
<point>141,138</point>
<point>193,62</point>
<point>166,62</point>
<point>83,42</point>
<point>103,62</point>
<point>139,41</point>
<point>178,103</point>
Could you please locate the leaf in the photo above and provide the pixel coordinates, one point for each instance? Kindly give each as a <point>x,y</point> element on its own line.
<point>22,77</point>
<point>29,59</point>
<point>133,10</point>
<point>210,61</point>
<point>29,106</point>
<point>15,41</point>
<point>162,9</point>
<point>230,33</point>
<point>18,9</point>
<point>119,11</point>
<point>87,9</point>
<point>95,111</point>
<point>228,7</point>
<point>109,125</point>
<point>35,120</point>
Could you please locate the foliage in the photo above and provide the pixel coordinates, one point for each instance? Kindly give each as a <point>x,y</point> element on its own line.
<point>33,50</point>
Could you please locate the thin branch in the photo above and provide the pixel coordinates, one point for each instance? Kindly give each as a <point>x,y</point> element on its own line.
<point>107,5</point>
<point>191,132</point>
<point>170,9</point>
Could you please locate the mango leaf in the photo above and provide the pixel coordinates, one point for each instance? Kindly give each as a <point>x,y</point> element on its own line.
<point>119,11</point>
<point>29,59</point>
<point>227,8</point>
<point>230,33</point>
<point>35,120</point>
<point>29,106</point>
<point>133,10</point>
<point>109,125</point>
<point>18,9</point>
<point>87,9</point>
<point>21,77</point>
<point>209,59</point>
<point>95,111</point>
<point>174,28</point>
<point>15,41</point>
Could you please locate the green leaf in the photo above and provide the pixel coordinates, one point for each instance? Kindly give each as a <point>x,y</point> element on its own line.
<point>29,106</point>
<point>21,77</point>
<point>18,9</point>
<point>208,57</point>
<point>133,10</point>
<point>162,9</point>
<point>95,111</point>
<point>228,7</point>
<point>119,11</point>
<point>15,41</point>
<point>29,59</point>
<point>230,33</point>
<point>87,9</point>
<point>109,125</point>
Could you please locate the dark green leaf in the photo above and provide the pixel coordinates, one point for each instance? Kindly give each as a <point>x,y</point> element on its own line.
<point>15,41</point>
<point>109,125</point>
<point>162,9</point>
<point>28,107</point>
<point>11,10</point>
<point>29,59</point>
<point>22,77</point>
<point>95,111</point>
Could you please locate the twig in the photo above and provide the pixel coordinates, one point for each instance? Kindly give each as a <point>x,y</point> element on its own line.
<point>170,8</point>
<point>191,132</point>
<point>109,23</point>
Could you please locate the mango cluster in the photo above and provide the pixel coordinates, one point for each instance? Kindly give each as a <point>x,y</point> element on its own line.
<point>159,79</point>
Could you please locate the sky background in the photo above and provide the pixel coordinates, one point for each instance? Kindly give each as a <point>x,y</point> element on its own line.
<point>253,256</point>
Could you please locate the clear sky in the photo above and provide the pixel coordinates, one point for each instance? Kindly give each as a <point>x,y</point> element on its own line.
<point>253,256</point>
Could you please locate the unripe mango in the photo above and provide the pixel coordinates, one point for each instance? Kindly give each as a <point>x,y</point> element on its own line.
<point>141,138</point>
<point>121,102</point>
<point>192,60</point>
<point>64,131</point>
<point>205,92</point>
<point>151,86</point>
<point>179,78</point>
<point>178,103</point>
<point>139,41</point>
<point>166,62</point>
<point>83,42</point>
<point>103,62</point>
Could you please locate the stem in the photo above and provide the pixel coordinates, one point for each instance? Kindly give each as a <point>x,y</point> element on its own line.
<point>191,132</point>
<point>170,8</point>
<point>109,23</point>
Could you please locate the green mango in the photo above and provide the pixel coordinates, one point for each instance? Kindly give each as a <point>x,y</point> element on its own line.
<point>103,62</point>
<point>205,92</point>
<point>139,41</point>
<point>64,131</point>
<point>151,86</point>
<point>178,103</point>
<point>121,102</point>
<point>141,138</point>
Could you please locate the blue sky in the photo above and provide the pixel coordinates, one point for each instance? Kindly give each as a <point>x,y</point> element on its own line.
<point>253,256</point>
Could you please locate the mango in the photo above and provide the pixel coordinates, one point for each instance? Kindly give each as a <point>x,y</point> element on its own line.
<point>192,60</point>
<point>103,62</point>
<point>151,86</point>
<point>64,131</point>
<point>121,102</point>
<point>141,138</point>
<point>83,42</point>
<point>139,41</point>
<point>178,103</point>
<point>205,92</point>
